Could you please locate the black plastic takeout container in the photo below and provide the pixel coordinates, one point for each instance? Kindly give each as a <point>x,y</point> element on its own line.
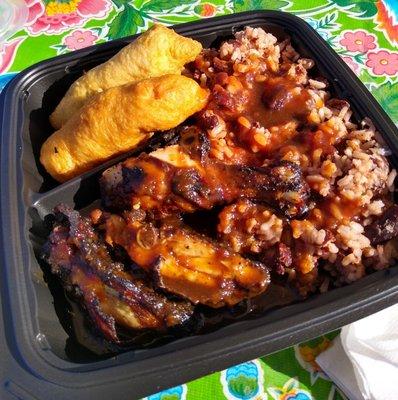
<point>34,363</point>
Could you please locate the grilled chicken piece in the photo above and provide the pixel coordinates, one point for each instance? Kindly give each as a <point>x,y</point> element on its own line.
<point>186,263</point>
<point>182,178</point>
<point>109,294</point>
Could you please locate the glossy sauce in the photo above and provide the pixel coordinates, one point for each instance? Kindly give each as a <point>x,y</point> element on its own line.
<point>275,102</point>
<point>278,105</point>
<point>330,213</point>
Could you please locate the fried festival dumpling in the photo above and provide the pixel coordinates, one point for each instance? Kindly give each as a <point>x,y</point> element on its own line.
<point>117,120</point>
<point>158,51</point>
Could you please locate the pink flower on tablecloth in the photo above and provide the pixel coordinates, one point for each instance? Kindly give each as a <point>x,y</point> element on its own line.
<point>57,16</point>
<point>358,41</point>
<point>35,8</point>
<point>383,62</point>
<point>7,53</point>
<point>80,39</point>
<point>351,63</point>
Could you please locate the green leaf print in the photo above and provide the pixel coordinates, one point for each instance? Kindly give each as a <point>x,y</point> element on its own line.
<point>387,96</point>
<point>291,384</point>
<point>360,8</point>
<point>162,5</point>
<point>120,3</point>
<point>328,22</point>
<point>358,58</point>
<point>126,23</point>
<point>276,393</point>
<point>246,5</point>
<point>243,386</point>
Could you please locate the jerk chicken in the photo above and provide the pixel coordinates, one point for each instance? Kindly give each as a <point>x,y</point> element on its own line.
<point>179,261</point>
<point>176,261</point>
<point>110,294</point>
<point>185,263</point>
<point>183,178</point>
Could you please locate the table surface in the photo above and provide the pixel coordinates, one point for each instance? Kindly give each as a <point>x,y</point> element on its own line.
<point>363,32</point>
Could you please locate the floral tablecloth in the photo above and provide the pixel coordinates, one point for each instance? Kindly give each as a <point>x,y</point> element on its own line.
<point>363,32</point>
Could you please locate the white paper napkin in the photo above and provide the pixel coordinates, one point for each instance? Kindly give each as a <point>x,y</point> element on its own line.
<point>363,361</point>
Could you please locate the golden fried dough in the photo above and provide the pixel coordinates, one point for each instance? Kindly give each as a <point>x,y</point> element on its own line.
<point>116,120</point>
<point>159,51</point>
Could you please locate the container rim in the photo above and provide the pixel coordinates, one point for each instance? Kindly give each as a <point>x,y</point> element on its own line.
<point>314,314</point>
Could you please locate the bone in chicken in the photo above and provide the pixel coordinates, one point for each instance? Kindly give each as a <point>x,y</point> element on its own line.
<point>111,295</point>
<point>183,178</point>
<point>186,263</point>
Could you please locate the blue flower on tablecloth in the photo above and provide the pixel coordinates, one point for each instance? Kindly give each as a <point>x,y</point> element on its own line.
<point>314,24</point>
<point>298,396</point>
<point>4,79</point>
<point>243,381</point>
<point>175,393</point>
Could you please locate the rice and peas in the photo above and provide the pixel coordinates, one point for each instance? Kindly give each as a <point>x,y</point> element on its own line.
<point>344,163</point>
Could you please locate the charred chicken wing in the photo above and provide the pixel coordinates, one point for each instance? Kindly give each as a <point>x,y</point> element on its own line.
<point>186,263</point>
<point>110,295</point>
